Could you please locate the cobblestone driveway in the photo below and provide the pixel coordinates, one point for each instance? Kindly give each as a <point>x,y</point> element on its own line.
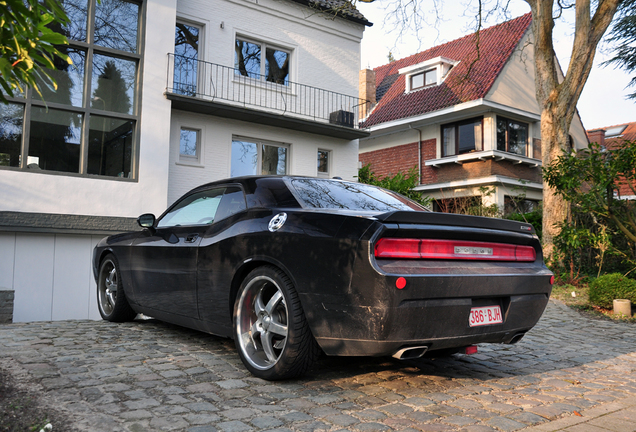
<point>150,376</point>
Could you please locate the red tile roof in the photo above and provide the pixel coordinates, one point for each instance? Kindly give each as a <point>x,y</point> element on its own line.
<point>471,79</point>
<point>629,133</point>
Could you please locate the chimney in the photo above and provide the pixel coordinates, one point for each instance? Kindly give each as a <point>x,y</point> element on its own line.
<point>366,92</point>
<point>597,136</point>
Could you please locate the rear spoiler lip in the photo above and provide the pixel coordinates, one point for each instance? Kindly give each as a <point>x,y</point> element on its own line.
<point>450,219</point>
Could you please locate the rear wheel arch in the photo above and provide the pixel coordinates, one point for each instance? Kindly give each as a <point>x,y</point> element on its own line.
<point>241,273</point>
<point>270,330</point>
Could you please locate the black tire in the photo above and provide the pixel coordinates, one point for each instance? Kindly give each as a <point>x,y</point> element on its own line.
<point>111,300</point>
<point>270,330</point>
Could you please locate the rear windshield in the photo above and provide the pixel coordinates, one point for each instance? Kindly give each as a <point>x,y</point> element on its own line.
<point>333,194</point>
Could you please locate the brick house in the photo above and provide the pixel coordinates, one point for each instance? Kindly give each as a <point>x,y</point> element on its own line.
<point>611,136</point>
<point>467,119</point>
<point>163,96</point>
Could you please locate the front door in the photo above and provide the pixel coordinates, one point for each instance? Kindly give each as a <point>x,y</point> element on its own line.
<point>164,260</point>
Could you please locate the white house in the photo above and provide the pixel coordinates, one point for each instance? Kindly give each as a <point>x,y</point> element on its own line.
<point>163,96</point>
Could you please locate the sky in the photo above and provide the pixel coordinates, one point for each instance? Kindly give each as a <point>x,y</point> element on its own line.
<point>602,103</point>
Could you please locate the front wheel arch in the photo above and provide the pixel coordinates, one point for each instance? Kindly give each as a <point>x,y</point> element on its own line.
<point>111,298</point>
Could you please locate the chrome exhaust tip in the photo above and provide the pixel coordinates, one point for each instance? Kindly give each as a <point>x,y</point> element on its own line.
<point>409,353</point>
<point>516,338</point>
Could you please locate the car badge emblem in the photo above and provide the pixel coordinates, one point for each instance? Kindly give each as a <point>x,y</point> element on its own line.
<point>277,222</point>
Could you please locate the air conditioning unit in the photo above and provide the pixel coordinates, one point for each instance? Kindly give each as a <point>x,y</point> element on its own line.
<point>342,118</point>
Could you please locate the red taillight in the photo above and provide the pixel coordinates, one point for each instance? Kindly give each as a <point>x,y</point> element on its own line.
<point>452,250</point>
<point>552,280</point>
<point>470,350</point>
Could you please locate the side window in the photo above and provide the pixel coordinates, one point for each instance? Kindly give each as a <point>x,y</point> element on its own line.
<point>197,209</point>
<point>233,201</point>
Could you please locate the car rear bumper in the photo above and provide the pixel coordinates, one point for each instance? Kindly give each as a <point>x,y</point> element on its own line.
<point>402,348</point>
<point>435,324</point>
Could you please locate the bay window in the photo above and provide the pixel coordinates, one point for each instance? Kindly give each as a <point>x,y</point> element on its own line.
<point>512,136</point>
<point>462,137</point>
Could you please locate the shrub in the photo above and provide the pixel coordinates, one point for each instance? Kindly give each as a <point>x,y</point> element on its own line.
<point>606,288</point>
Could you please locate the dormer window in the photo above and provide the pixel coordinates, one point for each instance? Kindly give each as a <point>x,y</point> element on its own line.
<point>427,74</point>
<point>424,79</point>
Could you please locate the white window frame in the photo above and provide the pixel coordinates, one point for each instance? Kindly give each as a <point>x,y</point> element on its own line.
<point>441,65</point>
<point>264,46</point>
<point>200,51</point>
<point>329,159</point>
<point>259,151</point>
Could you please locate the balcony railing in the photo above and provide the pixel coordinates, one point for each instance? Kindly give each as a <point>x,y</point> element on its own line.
<point>217,83</point>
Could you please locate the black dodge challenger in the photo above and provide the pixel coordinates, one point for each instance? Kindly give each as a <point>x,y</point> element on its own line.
<point>289,266</point>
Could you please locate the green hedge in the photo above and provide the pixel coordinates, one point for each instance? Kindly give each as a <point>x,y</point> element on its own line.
<point>606,288</point>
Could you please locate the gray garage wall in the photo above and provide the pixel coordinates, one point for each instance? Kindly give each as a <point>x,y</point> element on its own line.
<point>51,275</point>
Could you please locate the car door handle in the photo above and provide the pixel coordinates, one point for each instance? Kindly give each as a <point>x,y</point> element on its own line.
<point>191,238</point>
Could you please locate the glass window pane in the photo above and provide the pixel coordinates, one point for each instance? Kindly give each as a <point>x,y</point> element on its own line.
<point>323,161</point>
<point>244,158</point>
<point>274,160</point>
<point>116,25</point>
<point>277,66</point>
<point>110,143</point>
<point>54,142</point>
<point>69,79</point>
<point>449,141</point>
<point>467,136</point>
<point>501,134</point>
<point>77,11</point>
<point>233,201</point>
<point>478,136</point>
<point>431,77</point>
<point>247,59</point>
<point>189,143</point>
<point>196,209</point>
<point>417,81</point>
<point>113,84</point>
<point>186,50</point>
<point>333,194</point>
<point>11,119</point>
<point>517,138</point>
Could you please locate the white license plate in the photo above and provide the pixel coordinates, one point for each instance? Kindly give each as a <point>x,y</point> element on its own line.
<point>485,315</point>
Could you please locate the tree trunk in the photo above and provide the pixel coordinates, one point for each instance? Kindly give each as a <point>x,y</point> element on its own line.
<point>555,208</point>
<point>558,95</point>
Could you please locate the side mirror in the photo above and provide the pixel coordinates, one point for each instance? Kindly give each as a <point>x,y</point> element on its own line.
<point>146,220</point>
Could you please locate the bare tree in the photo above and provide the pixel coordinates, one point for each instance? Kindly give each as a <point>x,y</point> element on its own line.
<point>557,96</point>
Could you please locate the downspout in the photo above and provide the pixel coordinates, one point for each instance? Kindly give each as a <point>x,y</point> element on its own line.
<point>419,153</point>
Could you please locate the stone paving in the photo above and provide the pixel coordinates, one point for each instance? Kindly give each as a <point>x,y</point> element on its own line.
<point>151,376</point>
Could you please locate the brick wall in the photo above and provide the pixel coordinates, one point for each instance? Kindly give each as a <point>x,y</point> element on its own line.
<point>477,169</point>
<point>624,188</point>
<point>392,160</point>
<point>429,151</point>
<point>402,158</point>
